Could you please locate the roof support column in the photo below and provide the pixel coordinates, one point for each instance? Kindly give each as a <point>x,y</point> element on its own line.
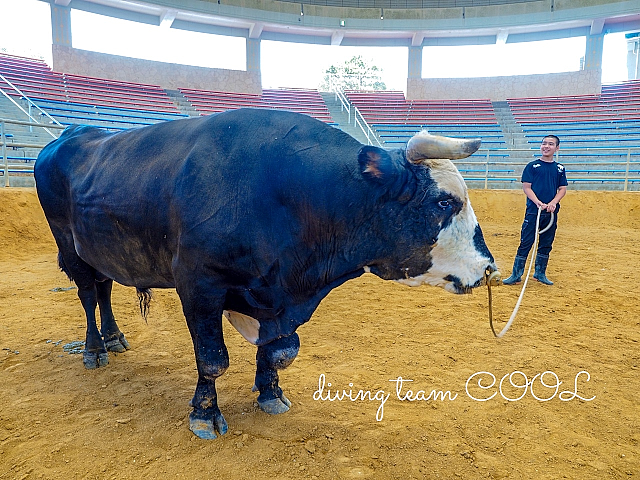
<point>253,55</point>
<point>593,53</point>
<point>633,55</point>
<point>61,25</point>
<point>415,62</point>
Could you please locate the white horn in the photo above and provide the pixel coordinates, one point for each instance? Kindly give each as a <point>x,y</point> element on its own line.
<point>424,145</point>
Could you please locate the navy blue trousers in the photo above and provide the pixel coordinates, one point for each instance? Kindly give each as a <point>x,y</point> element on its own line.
<point>528,232</point>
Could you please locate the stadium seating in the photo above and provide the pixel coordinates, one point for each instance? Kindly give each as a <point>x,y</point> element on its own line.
<point>118,105</point>
<point>309,102</point>
<point>600,133</point>
<point>611,119</point>
<point>395,119</point>
<point>85,100</point>
<point>378,107</point>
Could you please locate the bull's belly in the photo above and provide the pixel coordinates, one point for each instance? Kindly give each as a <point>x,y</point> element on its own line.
<point>118,242</point>
<point>128,266</point>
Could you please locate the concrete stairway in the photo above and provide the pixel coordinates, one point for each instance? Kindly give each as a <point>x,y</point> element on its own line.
<point>513,133</point>
<point>341,117</point>
<point>180,101</point>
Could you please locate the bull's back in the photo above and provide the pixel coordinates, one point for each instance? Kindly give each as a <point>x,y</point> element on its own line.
<point>129,198</point>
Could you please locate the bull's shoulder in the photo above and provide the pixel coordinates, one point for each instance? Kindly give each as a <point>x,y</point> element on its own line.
<point>72,137</point>
<point>57,157</point>
<point>82,131</point>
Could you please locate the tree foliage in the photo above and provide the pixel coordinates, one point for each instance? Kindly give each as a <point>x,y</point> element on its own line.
<point>353,74</point>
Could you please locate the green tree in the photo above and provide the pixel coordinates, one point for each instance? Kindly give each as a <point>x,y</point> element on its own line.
<point>354,74</point>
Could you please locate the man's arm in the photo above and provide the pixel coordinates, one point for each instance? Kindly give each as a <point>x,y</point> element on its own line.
<point>526,187</point>
<point>549,207</point>
<point>553,204</point>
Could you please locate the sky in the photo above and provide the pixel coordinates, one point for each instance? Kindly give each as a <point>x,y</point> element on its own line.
<point>288,64</point>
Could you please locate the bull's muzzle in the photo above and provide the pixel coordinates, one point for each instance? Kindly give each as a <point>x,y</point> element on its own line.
<point>492,277</point>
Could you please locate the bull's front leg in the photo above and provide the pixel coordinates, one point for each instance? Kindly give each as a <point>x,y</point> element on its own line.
<point>270,358</point>
<point>202,308</point>
<point>212,360</point>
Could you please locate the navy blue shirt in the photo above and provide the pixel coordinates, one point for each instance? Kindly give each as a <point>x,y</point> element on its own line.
<point>545,179</point>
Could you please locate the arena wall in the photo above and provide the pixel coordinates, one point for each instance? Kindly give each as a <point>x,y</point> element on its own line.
<point>173,76</point>
<point>584,82</point>
<point>168,75</point>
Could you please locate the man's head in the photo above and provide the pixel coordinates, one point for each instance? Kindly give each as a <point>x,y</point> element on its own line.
<point>552,137</point>
<point>550,145</point>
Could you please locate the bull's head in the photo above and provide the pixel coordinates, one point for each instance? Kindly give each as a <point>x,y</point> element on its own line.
<point>440,242</point>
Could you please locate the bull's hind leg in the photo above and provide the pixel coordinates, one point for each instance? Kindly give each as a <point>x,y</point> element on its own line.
<point>95,353</point>
<point>114,340</point>
<point>270,358</point>
<point>84,275</point>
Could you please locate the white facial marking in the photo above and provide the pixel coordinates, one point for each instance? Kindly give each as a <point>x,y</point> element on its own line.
<point>247,326</point>
<point>454,252</point>
<point>447,177</point>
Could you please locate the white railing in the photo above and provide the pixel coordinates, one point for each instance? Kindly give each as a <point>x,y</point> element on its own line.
<point>489,167</point>
<point>31,105</point>
<point>358,119</point>
<point>606,172</point>
<point>9,168</point>
<point>361,123</point>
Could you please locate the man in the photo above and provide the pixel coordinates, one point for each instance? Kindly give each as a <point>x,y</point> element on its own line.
<point>544,182</point>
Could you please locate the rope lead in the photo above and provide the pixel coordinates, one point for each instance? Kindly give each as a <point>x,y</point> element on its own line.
<point>493,278</point>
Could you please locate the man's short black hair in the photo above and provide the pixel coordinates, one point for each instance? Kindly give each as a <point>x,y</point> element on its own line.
<point>553,136</point>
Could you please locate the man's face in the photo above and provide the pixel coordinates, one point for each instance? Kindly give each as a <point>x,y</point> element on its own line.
<point>548,147</point>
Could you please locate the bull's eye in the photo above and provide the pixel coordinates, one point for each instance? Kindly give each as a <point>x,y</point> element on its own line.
<point>444,204</point>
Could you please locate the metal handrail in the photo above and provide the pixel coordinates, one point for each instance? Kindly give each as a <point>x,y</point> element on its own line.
<point>482,163</point>
<point>30,102</point>
<point>614,176</point>
<point>358,119</point>
<point>32,124</point>
<point>344,103</point>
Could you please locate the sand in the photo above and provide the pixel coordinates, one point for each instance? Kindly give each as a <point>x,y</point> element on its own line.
<point>129,419</point>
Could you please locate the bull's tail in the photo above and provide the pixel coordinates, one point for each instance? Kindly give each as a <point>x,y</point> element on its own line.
<point>63,266</point>
<point>144,294</point>
<point>144,297</point>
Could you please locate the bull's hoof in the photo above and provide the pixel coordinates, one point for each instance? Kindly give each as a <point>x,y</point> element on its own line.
<point>93,360</point>
<point>275,406</point>
<point>117,344</point>
<point>206,428</point>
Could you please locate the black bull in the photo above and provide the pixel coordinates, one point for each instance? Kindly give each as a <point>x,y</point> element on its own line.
<point>255,215</point>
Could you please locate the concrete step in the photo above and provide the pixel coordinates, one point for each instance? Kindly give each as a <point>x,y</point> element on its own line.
<point>513,133</point>
<point>181,103</point>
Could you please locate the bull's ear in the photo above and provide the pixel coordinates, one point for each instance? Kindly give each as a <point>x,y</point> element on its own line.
<point>376,164</point>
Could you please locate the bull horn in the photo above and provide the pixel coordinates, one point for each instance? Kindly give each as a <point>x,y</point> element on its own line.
<point>424,145</point>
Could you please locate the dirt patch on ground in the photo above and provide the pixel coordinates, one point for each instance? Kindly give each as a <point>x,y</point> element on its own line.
<point>129,420</point>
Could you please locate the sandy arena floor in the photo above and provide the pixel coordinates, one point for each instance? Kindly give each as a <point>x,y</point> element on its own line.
<point>129,420</point>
